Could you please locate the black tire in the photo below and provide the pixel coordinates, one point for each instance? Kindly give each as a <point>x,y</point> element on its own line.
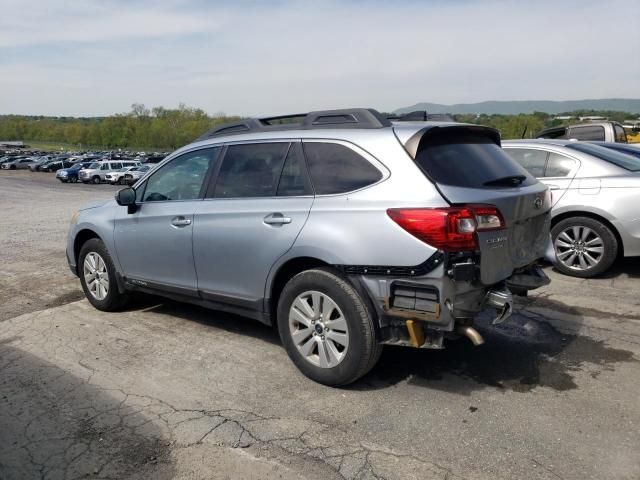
<point>609,244</point>
<point>96,179</point>
<point>114,300</point>
<point>121,181</point>
<point>63,180</point>
<point>12,167</point>
<point>73,179</point>
<point>363,350</point>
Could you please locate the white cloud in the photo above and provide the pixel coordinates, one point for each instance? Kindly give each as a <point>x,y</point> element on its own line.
<point>249,57</point>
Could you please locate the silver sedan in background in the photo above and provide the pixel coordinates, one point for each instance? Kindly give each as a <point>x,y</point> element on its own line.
<point>596,201</point>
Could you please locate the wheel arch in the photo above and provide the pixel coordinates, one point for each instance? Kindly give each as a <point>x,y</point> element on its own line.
<point>582,213</point>
<point>296,265</point>
<point>81,238</point>
<point>283,274</point>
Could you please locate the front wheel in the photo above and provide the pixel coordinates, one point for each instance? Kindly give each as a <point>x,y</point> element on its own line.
<point>584,246</point>
<point>73,179</point>
<point>326,328</point>
<point>98,277</point>
<point>96,179</point>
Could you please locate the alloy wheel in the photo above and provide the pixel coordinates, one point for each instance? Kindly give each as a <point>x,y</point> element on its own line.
<point>319,329</point>
<point>96,275</point>
<point>579,248</point>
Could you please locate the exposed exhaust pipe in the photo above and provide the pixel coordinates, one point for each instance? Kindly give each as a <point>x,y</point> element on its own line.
<point>471,333</point>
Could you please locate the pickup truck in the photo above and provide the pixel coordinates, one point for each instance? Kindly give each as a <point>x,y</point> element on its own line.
<point>600,131</point>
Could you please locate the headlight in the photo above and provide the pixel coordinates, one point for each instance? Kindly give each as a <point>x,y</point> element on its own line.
<point>74,217</point>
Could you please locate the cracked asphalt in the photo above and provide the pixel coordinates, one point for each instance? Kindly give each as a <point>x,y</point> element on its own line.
<point>166,390</point>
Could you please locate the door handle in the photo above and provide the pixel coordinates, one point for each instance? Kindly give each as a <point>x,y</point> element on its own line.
<point>276,219</point>
<point>553,187</point>
<point>180,221</point>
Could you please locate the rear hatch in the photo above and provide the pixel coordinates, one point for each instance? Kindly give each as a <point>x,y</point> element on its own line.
<point>468,166</point>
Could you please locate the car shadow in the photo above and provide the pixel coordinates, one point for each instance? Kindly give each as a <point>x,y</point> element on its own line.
<point>524,353</point>
<point>54,424</point>
<point>204,316</point>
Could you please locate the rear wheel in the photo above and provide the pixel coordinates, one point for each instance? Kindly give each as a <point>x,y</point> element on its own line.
<point>98,277</point>
<point>584,246</point>
<point>326,328</point>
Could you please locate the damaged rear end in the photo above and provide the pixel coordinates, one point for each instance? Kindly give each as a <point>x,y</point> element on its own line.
<point>489,239</point>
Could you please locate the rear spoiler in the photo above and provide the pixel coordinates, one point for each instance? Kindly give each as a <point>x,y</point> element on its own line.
<point>432,132</point>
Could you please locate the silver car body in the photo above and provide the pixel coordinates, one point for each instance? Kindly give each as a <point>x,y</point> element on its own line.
<point>591,186</point>
<point>226,255</point>
<point>99,170</point>
<point>18,164</point>
<point>115,176</point>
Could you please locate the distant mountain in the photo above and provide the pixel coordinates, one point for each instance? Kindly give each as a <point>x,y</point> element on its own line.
<point>529,106</point>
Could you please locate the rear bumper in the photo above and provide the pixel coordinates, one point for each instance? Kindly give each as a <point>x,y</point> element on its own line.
<point>439,304</point>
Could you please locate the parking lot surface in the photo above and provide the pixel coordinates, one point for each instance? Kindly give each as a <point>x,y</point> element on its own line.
<point>166,390</point>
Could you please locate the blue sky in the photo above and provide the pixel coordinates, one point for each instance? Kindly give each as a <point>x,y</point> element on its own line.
<point>96,57</point>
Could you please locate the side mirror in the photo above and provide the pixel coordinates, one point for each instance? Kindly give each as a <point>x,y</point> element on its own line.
<point>127,198</point>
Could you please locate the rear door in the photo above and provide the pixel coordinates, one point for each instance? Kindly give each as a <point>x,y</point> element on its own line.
<point>254,210</point>
<point>469,167</point>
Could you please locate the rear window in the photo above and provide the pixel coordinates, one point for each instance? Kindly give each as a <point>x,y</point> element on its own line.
<point>587,133</point>
<point>471,161</point>
<point>619,159</point>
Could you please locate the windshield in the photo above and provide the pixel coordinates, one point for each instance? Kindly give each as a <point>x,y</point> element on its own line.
<point>619,159</point>
<point>94,165</point>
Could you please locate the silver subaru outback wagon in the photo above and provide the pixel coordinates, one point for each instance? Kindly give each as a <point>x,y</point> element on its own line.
<point>342,229</point>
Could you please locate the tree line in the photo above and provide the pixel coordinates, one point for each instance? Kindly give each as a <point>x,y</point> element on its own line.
<point>167,129</point>
<point>157,128</point>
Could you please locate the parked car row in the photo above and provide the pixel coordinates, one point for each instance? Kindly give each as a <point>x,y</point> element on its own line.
<point>89,167</point>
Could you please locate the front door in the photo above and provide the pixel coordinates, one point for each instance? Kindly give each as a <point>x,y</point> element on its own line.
<point>154,244</point>
<point>254,211</point>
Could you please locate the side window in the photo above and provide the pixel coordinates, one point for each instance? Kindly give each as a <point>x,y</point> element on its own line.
<point>559,165</point>
<point>587,132</point>
<point>335,168</point>
<point>104,166</point>
<point>116,166</point>
<point>250,170</point>
<point>533,161</point>
<point>621,135</point>
<point>294,180</point>
<point>182,178</point>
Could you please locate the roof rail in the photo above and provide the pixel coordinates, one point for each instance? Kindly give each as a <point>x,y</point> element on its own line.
<point>350,118</point>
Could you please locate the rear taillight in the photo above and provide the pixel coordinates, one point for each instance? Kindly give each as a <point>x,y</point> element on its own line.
<point>451,229</point>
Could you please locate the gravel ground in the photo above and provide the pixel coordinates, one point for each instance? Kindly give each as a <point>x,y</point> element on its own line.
<point>166,390</point>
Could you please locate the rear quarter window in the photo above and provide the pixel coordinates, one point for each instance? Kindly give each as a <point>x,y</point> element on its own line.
<point>335,168</point>
<point>468,160</point>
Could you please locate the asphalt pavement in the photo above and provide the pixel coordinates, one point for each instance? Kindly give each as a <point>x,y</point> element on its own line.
<point>167,390</point>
